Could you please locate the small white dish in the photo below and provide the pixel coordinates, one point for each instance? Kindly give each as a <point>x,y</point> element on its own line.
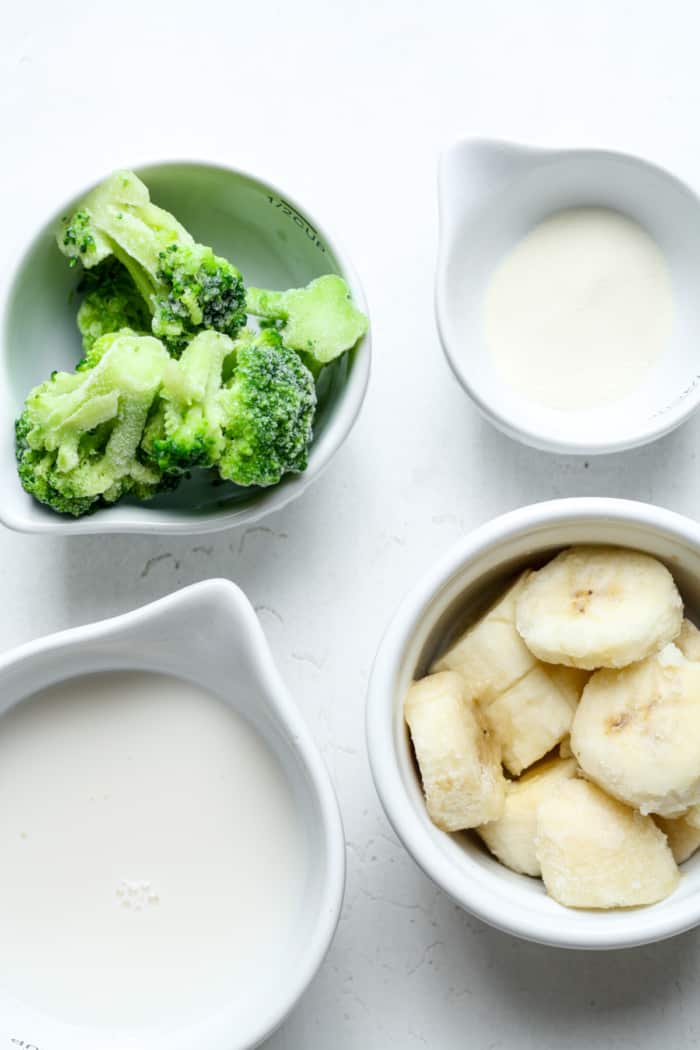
<point>491,195</point>
<point>274,242</point>
<point>228,656</point>
<point>445,601</point>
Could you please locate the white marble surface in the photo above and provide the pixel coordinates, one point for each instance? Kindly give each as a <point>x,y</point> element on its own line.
<point>347,105</point>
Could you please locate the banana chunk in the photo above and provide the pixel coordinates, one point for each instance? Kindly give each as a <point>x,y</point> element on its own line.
<point>511,838</point>
<point>530,719</point>
<point>595,852</point>
<point>491,655</point>
<point>597,607</point>
<point>683,838</point>
<point>571,681</point>
<point>458,758</point>
<point>688,641</point>
<point>636,733</point>
<point>529,705</point>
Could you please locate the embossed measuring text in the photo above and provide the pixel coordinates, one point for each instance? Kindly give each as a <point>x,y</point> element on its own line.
<point>303,224</point>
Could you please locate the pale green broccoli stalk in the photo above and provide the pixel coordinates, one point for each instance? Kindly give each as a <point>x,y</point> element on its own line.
<point>269,407</point>
<point>185,429</point>
<point>319,320</point>
<point>112,302</point>
<point>79,434</point>
<point>186,286</point>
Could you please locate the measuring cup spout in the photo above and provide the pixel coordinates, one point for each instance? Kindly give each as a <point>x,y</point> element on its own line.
<point>470,172</point>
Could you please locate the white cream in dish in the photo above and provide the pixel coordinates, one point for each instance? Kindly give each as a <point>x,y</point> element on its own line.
<point>152,860</point>
<point>580,310</point>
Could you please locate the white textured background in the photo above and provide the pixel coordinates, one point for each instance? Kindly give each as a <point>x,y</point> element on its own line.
<point>346,106</point>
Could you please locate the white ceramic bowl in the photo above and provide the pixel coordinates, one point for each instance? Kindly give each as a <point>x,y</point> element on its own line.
<point>274,242</point>
<point>444,602</point>
<point>227,655</point>
<point>491,195</point>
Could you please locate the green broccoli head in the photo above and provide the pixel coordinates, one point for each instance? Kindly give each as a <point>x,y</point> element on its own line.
<point>185,427</point>
<point>78,436</point>
<point>112,302</point>
<point>319,320</point>
<point>199,290</point>
<point>185,286</point>
<point>35,469</point>
<point>268,407</point>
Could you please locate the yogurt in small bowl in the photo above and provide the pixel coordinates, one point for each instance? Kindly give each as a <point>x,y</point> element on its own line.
<point>566,293</point>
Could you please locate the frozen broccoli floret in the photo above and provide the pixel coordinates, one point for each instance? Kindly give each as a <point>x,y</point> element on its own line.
<point>319,320</point>
<point>268,407</point>
<point>185,429</point>
<point>78,437</point>
<point>120,204</point>
<point>112,302</point>
<point>35,468</point>
<point>203,291</point>
<point>254,426</point>
<point>186,286</point>
<point>80,239</point>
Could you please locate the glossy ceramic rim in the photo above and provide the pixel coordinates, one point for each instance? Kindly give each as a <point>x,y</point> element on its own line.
<point>484,896</point>
<point>222,594</point>
<point>338,427</point>
<point>547,440</point>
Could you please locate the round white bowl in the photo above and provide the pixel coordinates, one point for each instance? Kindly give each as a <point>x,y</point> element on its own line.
<point>491,195</point>
<point>446,600</point>
<point>231,659</point>
<point>274,242</point>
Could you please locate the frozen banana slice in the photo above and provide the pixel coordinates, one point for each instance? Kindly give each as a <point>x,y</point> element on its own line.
<point>458,758</point>
<point>491,655</point>
<point>688,641</point>
<point>636,733</point>
<point>597,607</point>
<point>683,838</point>
<point>571,681</point>
<point>595,852</point>
<point>529,719</point>
<point>511,838</point>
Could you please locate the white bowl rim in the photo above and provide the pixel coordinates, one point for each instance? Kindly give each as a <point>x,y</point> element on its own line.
<point>330,831</point>
<point>537,438</point>
<point>651,925</point>
<point>276,497</point>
